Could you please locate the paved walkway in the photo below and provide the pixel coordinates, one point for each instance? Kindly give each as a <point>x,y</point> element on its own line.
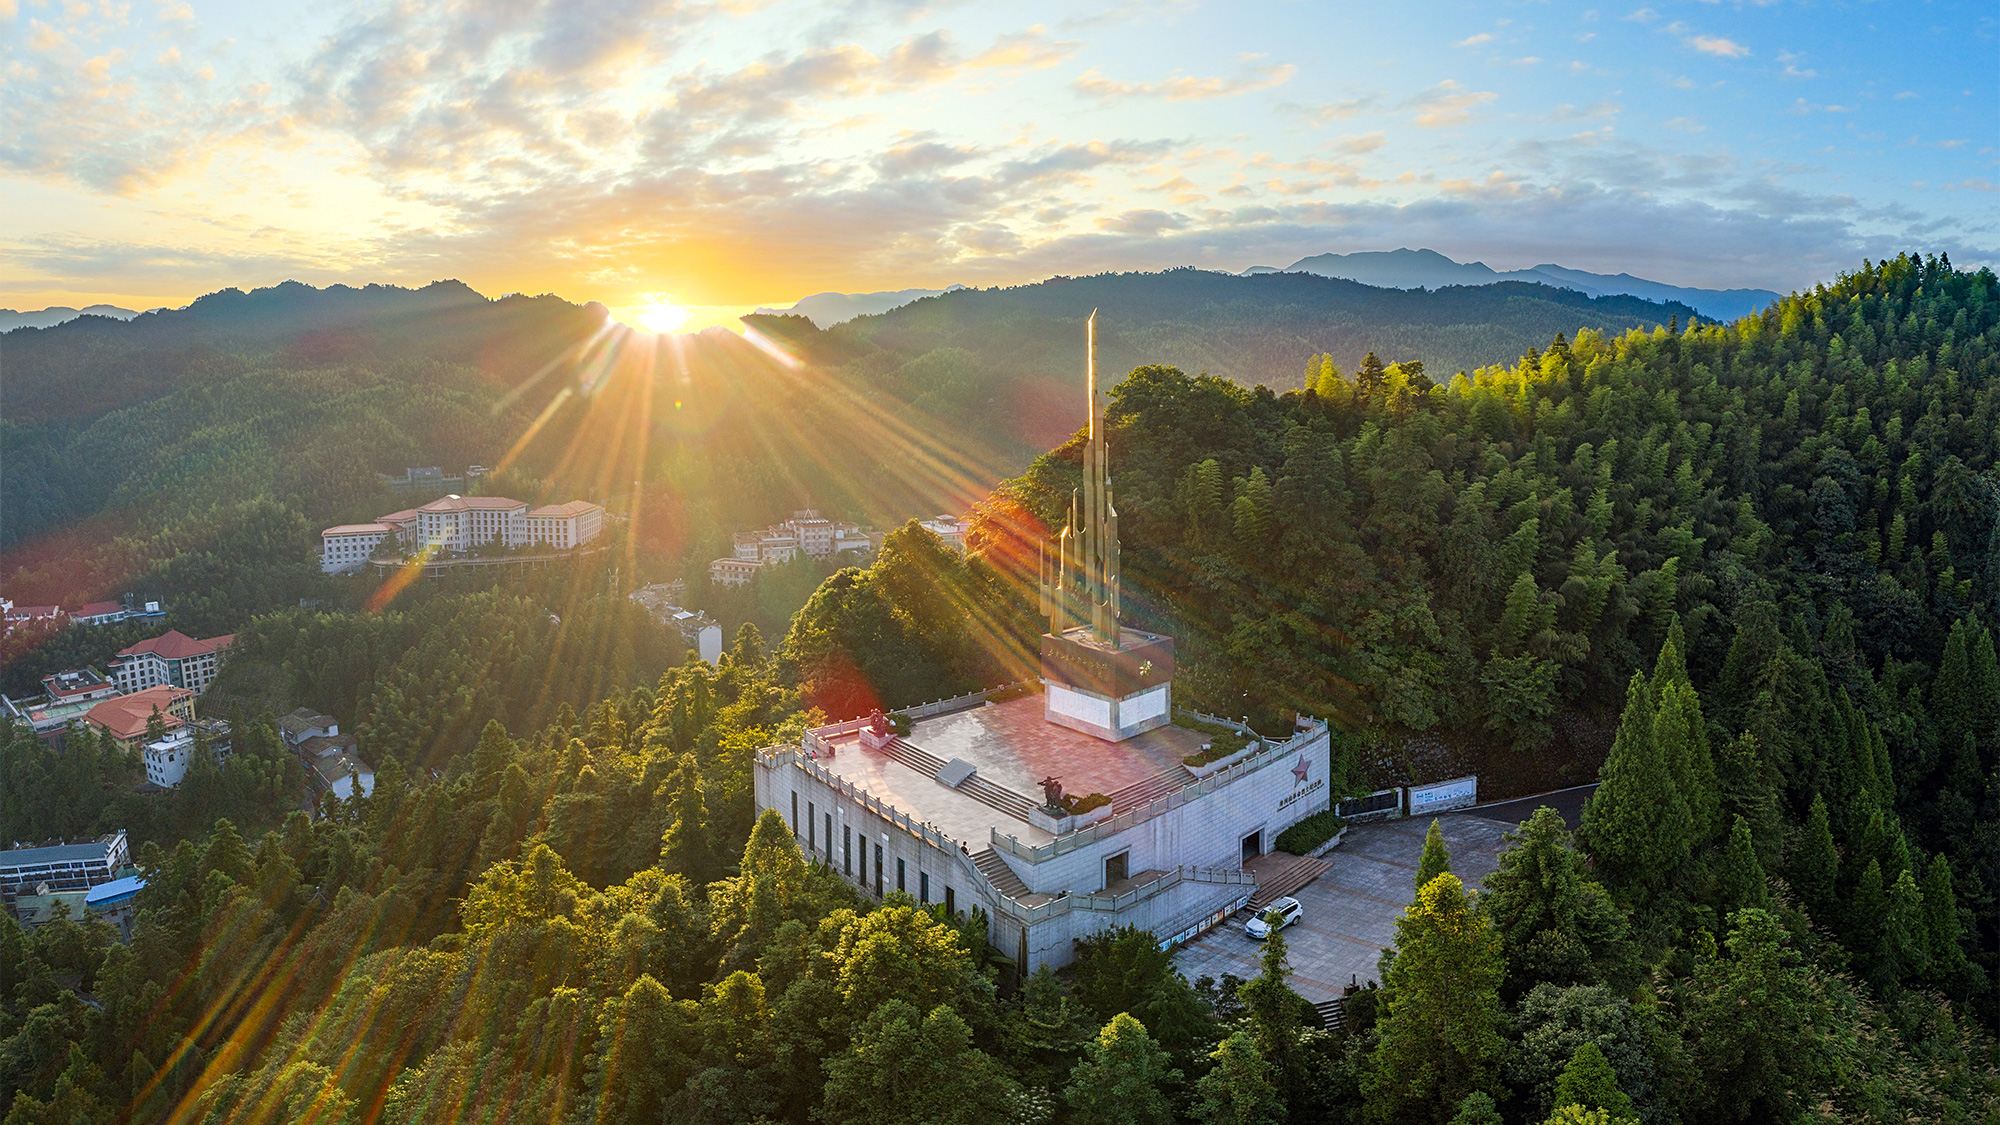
<point>1351,911</point>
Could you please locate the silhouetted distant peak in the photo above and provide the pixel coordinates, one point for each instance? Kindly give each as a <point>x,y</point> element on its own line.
<point>1404,268</point>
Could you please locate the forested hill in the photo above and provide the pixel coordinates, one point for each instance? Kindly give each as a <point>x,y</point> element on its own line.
<point>1013,354</point>
<point>89,366</point>
<point>1766,553</point>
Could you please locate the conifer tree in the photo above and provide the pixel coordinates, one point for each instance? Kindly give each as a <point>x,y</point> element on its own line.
<point>1906,938</point>
<point>1477,1108</point>
<point>1436,858</point>
<point>687,845</point>
<point>1238,1088</point>
<point>1123,1077</point>
<point>1943,931</point>
<point>1556,924</point>
<point>1636,825</point>
<point>1739,877</point>
<point>1589,1082</point>
<point>1866,919</point>
<point>1748,790</point>
<point>1681,736</point>
<point>1439,1031</point>
<point>1815,864</point>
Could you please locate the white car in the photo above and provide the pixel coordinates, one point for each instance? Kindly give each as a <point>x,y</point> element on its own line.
<point>1284,911</point>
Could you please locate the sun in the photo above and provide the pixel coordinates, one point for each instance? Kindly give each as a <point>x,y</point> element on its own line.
<point>661,315</point>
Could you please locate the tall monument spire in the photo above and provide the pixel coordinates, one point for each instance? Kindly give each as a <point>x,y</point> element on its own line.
<point>1100,529</point>
<point>1097,676</point>
<point>1080,584</point>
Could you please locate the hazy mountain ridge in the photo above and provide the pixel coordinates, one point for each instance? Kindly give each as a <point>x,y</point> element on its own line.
<point>1427,269</point>
<point>1005,363</point>
<point>11,319</point>
<point>828,309</point>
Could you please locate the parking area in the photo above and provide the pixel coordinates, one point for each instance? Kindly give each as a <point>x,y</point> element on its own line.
<point>1351,911</point>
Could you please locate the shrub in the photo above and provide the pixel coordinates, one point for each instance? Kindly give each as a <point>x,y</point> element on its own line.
<point>1309,833</point>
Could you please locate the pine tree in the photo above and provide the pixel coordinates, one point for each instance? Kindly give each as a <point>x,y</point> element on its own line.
<point>1943,931</point>
<point>1556,924</point>
<point>1589,1082</point>
<point>1748,790</point>
<point>1681,736</point>
<point>1906,939</point>
<point>1866,920</point>
<point>1238,1088</point>
<point>687,845</point>
<point>1477,1108</point>
<point>1739,877</point>
<point>1636,825</point>
<point>1438,1033</point>
<point>1436,859</point>
<point>1122,1078</point>
<point>1815,864</point>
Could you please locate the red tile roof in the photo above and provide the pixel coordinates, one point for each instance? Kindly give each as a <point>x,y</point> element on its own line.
<point>97,609</point>
<point>176,645</point>
<point>125,717</point>
<point>407,515</point>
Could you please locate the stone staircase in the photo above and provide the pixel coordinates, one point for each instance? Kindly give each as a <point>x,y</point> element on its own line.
<point>975,787</point>
<point>1279,874</point>
<point>999,874</point>
<point>1332,1013</point>
<point>1151,789</point>
<point>922,761</point>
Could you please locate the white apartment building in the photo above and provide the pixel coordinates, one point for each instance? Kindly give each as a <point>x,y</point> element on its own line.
<point>168,758</point>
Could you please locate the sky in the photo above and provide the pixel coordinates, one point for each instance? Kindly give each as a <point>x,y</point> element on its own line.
<point>726,155</point>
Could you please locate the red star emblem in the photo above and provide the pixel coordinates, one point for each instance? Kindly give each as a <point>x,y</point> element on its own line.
<point>1301,769</point>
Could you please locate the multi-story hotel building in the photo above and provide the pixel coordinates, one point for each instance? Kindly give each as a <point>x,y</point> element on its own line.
<point>461,523</point>
<point>1062,812</point>
<point>807,533</point>
<point>172,658</point>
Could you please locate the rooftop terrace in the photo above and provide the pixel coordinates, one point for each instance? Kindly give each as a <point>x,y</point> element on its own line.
<point>1010,748</point>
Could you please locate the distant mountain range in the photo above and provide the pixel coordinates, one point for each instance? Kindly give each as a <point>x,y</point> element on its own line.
<point>11,319</point>
<point>828,309</point>
<point>1001,366</point>
<point>1428,269</point>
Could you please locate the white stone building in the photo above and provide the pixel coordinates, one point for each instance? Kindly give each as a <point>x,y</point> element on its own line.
<point>1063,812</point>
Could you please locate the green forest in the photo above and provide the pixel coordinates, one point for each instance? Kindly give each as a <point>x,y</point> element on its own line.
<point>1745,575</point>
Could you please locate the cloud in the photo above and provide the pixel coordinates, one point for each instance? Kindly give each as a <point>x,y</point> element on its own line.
<point>1481,38</point>
<point>1685,125</point>
<point>1184,88</point>
<point>1718,46</point>
<point>9,9</point>
<point>1366,142</point>
<point>1447,103</point>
